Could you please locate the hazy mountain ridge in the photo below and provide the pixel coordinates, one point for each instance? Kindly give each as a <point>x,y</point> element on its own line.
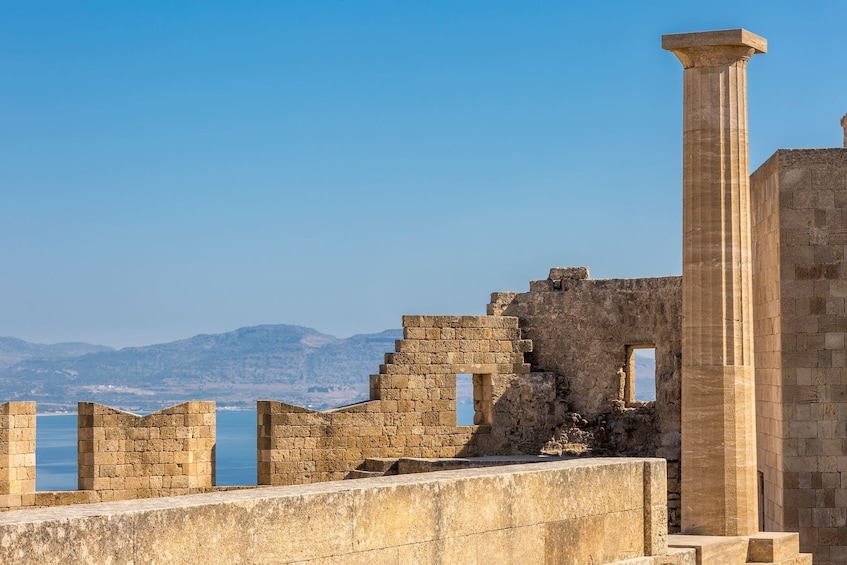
<point>14,350</point>
<point>289,363</point>
<point>645,377</point>
<point>293,364</point>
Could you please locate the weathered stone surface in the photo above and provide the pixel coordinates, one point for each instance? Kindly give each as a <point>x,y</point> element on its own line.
<point>594,512</point>
<point>582,334</point>
<point>17,453</point>
<point>562,273</point>
<point>800,230</point>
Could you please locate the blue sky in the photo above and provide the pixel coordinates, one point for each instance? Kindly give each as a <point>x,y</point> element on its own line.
<point>174,168</point>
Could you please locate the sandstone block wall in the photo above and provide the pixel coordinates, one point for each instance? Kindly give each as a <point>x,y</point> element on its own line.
<point>802,395</point>
<point>767,310</point>
<point>582,332</point>
<point>17,454</point>
<point>125,456</point>
<point>593,511</point>
<point>580,328</point>
<point>412,411</point>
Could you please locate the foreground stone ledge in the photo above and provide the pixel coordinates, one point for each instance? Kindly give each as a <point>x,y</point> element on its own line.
<point>517,514</point>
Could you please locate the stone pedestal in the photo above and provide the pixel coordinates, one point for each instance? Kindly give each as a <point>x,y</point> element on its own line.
<point>719,481</point>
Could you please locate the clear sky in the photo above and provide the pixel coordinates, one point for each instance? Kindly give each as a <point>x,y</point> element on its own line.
<point>173,168</point>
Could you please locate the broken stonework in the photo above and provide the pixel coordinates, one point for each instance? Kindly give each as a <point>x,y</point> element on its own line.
<point>583,333</point>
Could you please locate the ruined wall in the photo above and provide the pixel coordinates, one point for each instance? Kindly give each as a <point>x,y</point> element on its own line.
<point>17,454</point>
<point>812,394</point>
<point>167,453</point>
<point>582,332</point>
<point>580,328</point>
<point>412,411</point>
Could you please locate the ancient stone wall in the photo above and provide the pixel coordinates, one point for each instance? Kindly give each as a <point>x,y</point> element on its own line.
<point>17,454</point>
<point>767,311</point>
<point>583,333</point>
<point>125,456</point>
<point>412,411</point>
<point>808,404</point>
<point>582,328</point>
<point>592,511</point>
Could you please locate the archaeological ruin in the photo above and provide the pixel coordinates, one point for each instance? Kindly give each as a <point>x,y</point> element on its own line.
<point>741,457</point>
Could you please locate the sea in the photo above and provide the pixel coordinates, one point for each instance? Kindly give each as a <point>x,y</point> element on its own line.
<point>235,453</point>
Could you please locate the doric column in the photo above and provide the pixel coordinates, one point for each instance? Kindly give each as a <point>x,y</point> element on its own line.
<point>719,481</point>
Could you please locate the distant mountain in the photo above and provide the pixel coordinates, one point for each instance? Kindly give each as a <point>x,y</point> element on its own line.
<point>279,362</point>
<point>14,350</point>
<point>645,377</point>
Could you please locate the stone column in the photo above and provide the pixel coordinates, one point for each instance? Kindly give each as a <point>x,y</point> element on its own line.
<point>719,480</point>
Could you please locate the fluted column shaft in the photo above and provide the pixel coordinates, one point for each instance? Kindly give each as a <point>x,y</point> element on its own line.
<point>719,475</point>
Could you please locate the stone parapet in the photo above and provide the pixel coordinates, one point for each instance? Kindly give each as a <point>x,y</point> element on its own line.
<point>592,511</point>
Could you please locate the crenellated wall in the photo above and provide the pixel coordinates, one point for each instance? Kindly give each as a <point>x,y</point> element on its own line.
<point>120,455</point>
<point>123,455</point>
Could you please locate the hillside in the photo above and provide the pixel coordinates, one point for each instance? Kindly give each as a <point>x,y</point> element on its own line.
<point>280,362</point>
<point>14,350</point>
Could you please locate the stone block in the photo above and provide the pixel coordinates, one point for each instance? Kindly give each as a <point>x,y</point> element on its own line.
<point>713,549</point>
<point>767,547</point>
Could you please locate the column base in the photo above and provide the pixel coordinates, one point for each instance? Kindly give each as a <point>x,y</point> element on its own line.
<point>782,548</point>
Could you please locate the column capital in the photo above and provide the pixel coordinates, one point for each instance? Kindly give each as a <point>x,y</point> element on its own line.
<point>714,48</point>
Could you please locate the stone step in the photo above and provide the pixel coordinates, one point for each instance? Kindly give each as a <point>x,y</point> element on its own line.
<point>383,465</point>
<point>712,550</point>
<point>799,559</point>
<point>764,548</point>
<point>361,474</point>
<point>675,556</point>
<point>681,556</point>
<point>773,547</point>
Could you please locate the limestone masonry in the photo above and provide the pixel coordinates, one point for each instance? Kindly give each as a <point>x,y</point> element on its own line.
<point>743,448</point>
<point>718,390</point>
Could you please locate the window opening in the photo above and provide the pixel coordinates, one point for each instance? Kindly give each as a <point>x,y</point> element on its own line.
<point>640,373</point>
<point>474,406</point>
<point>464,399</point>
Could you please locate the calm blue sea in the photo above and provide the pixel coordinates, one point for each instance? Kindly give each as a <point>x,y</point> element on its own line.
<point>55,452</point>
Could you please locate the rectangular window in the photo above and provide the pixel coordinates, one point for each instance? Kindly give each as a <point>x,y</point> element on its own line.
<point>640,373</point>
<point>474,405</point>
<point>464,399</point>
